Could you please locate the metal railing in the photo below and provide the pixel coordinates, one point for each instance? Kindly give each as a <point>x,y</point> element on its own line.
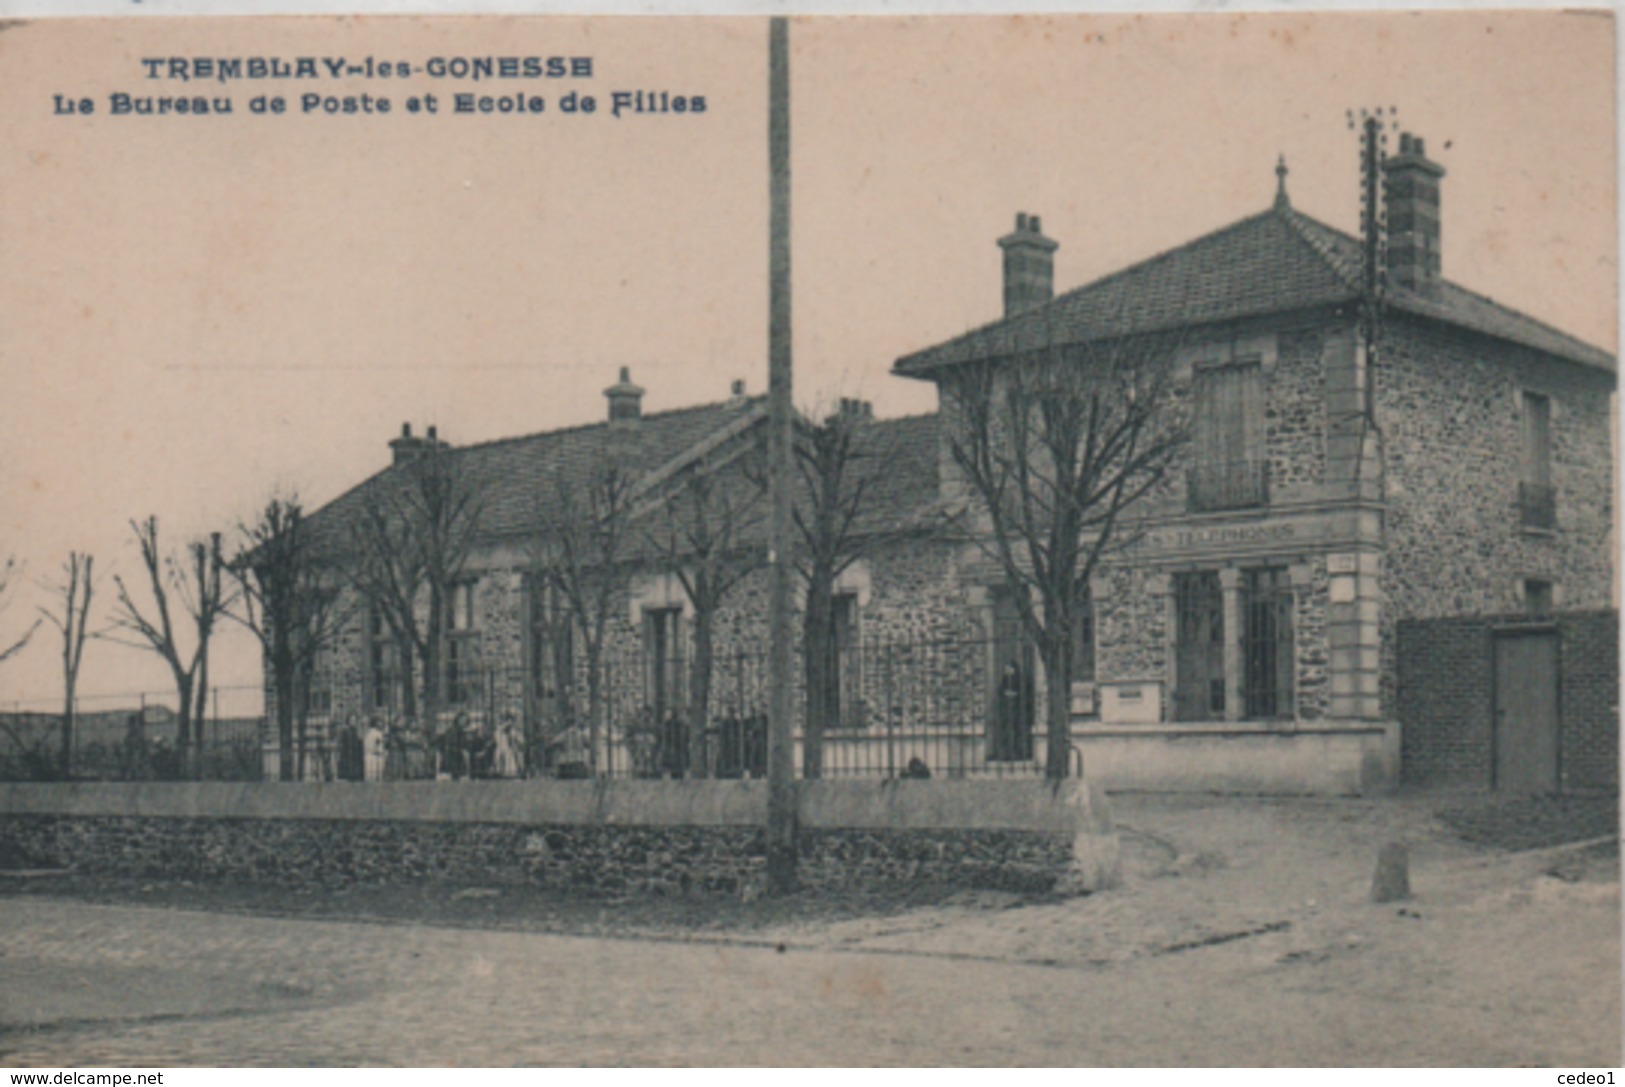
<point>898,707</point>
<point>1537,505</point>
<point>1229,484</point>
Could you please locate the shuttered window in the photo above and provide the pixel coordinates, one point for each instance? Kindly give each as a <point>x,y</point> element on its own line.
<point>1228,466</point>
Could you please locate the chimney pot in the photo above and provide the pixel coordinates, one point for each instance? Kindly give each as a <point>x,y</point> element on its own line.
<point>737,388</point>
<point>431,433</point>
<point>625,399</point>
<point>1029,266</point>
<point>406,430</point>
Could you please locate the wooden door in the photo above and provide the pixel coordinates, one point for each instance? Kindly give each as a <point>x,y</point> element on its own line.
<point>1526,711</point>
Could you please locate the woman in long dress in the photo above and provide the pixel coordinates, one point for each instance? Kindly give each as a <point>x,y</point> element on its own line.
<point>372,751</point>
<point>505,762</point>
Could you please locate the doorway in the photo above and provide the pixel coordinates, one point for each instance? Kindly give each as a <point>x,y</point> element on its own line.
<point>1526,711</point>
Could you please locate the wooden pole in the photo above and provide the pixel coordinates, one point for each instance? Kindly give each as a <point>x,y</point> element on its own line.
<point>781,828</point>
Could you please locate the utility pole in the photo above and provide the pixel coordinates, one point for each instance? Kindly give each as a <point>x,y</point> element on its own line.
<point>781,813</point>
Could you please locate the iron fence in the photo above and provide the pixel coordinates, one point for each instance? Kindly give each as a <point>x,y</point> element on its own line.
<point>895,708</point>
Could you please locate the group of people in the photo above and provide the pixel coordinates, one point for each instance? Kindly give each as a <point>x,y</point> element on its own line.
<point>400,750</point>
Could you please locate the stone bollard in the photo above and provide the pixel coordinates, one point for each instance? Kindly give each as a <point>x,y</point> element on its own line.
<point>1392,883</point>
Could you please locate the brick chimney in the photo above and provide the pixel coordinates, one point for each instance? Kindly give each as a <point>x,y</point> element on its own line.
<point>407,446</point>
<point>1411,192</point>
<point>1029,266</point>
<point>625,399</point>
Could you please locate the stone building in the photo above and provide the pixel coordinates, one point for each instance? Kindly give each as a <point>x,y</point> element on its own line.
<point>513,651</point>
<point>1248,641</point>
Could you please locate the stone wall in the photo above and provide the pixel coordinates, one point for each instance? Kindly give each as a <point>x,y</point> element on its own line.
<point>1446,699</point>
<point>583,837</point>
<point>1449,406</point>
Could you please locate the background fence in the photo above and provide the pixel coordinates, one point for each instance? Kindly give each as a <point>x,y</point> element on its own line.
<point>897,708</point>
<point>132,737</point>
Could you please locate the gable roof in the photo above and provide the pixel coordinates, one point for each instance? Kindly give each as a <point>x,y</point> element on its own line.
<point>1278,261</point>
<point>518,474</point>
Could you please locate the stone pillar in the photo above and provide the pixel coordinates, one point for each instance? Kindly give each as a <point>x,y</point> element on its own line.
<point>1230,585</point>
<point>1302,575</point>
<point>1354,635</point>
<point>1161,585</point>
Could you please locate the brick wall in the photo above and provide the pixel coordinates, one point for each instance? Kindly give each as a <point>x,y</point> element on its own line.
<point>1446,699</point>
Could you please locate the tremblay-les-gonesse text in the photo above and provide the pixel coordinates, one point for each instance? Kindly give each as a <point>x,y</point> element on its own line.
<point>227,70</point>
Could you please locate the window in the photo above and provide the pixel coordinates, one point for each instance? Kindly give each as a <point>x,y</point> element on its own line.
<point>550,649</point>
<point>1537,500</point>
<point>665,660</point>
<point>847,711</point>
<point>1228,468</point>
<point>1083,636</point>
<point>383,672</point>
<point>1537,597</point>
<point>319,686</point>
<point>1267,656</point>
<point>462,645</point>
<point>1199,646</point>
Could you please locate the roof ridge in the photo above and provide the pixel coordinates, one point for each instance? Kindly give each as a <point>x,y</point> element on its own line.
<point>1297,219</point>
<point>576,428</point>
<point>1146,262</point>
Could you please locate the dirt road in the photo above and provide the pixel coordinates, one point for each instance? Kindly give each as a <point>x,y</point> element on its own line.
<point>1242,935</point>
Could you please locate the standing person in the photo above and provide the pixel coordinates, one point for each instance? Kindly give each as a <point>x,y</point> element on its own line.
<point>395,751</point>
<point>419,758</point>
<point>1012,737</point>
<point>372,753</point>
<point>351,752</point>
<point>505,759</point>
<point>452,744</point>
<point>571,746</point>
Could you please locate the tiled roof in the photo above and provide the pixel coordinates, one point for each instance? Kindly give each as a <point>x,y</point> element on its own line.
<point>1277,261</point>
<point>518,474</point>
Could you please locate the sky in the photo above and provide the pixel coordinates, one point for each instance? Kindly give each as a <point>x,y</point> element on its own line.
<point>195,311</point>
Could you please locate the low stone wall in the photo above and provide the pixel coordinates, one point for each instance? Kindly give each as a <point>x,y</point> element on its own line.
<point>1317,759</point>
<point>604,838</point>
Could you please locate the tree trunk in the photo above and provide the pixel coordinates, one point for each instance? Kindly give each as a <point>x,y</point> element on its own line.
<point>283,680</point>
<point>1058,708</point>
<point>818,664</point>
<point>699,695</point>
<point>183,726</point>
<point>595,706</point>
<point>67,727</point>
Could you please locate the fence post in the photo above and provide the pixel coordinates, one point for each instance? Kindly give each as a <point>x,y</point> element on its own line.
<point>891,717</point>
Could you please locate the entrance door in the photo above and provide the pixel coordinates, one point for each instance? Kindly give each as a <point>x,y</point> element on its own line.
<point>1526,715</point>
<point>1198,647</point>
<point>1010,732</point>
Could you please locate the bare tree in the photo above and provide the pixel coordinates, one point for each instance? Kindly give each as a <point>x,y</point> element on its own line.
<point>1057,447</point>
<point>73,595</point>
<point>412,540</point>
<point>707,533</point>
<point>839,463</point>
<point>288,600</point>
<point>194,586</point>
<point>9,574</point>
<point>584,539</point>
